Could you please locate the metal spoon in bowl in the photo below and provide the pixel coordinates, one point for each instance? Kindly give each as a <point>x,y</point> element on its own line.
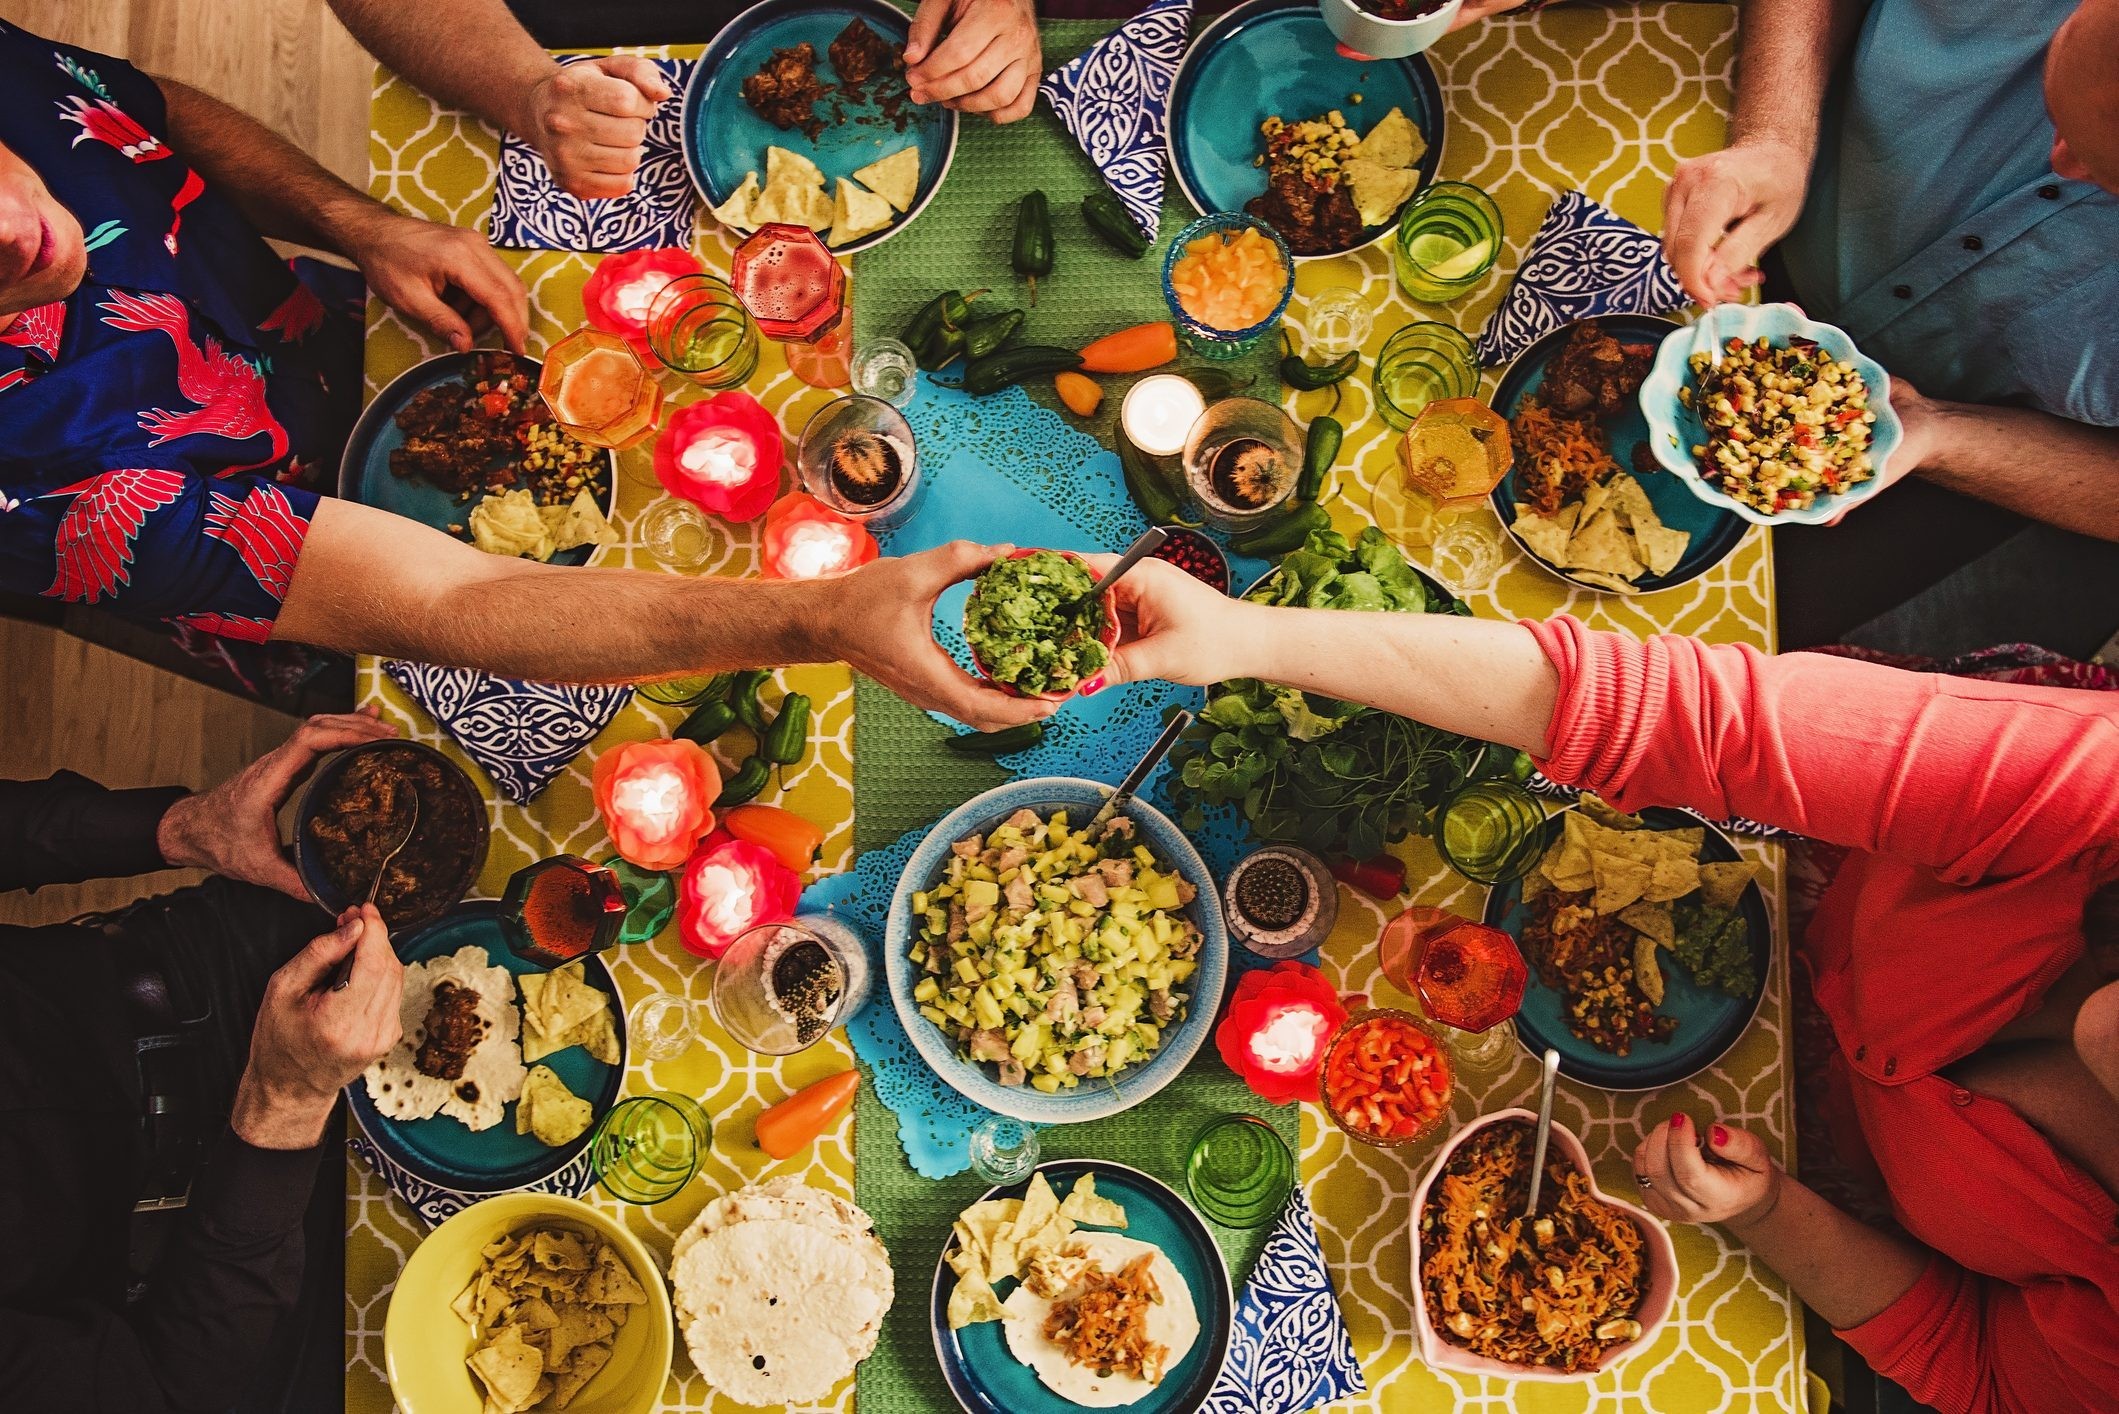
<point>343,973</point>
<point>1537,1158</point>
<point>1172,729</point>
<point>1139,550</point>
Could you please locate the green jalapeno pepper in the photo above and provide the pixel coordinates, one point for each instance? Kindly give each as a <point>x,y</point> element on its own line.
<point>1285,532</point>
<point>989,335</point>
<point>1308,377</point>
<point>1005,742</point>
<point>1320,448</point>
<point>1106,215</point>
<point>743,787</point>
<point>1214,384</point>
<point>1146,484</point>
<point>743,697</point>
<point>997,370</point>
<point>788,737</point>
<point>1032,253</point>
<point>705,723</point>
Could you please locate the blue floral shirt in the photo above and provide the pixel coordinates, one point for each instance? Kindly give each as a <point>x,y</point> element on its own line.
<point>163,428</point>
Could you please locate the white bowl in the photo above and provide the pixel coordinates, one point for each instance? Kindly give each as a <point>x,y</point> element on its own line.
<point>1657,1252</point>
<point>1375,37</point>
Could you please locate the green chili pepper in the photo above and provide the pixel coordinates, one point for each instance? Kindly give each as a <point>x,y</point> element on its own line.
<point>705,723</point>
<point>936,333</point>
<point>743,697</point>
<point>788,737</point>
<point>1311,376</point>
<point>743,787</point>
<point>941,346</point>
<point>1106,215</point>
<point>989,335</point>
<point>1032,254</point>
<point>1319,450</point>
<point>1005,742</point>
<point>1146,484</point>
<point>1286,531</point>
<point>997,370</point>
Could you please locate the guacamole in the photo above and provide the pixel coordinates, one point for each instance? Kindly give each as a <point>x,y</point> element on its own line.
<point>1020,627</point>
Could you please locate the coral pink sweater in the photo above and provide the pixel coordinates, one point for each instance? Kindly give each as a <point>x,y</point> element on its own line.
<point>1984,816</point>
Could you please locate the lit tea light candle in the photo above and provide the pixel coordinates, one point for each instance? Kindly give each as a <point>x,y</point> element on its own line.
<point>723,454</point>
<point>1158,411</point>
<point>623,287</point>
<point>1275,1031</point>
<point>806,539</point>
<point>656,799</point>
<point>728,888</point>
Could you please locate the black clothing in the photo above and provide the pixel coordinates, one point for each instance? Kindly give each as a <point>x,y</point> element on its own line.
<point>72,1152</point>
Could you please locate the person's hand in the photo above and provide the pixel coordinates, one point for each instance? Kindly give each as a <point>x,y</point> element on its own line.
<point>1724,210</point>
<point>1920,418</point>
<point>987,61</point>
<point>1171,626</point>
<point>588,120</point>
<point>234,829</point>
<point>880,619</point>
<point>310,1041</point>
<point>445,279</point>
<point>1733,1181</point>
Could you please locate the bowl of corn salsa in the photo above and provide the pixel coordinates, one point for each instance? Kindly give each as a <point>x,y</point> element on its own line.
<point>1788,423</point>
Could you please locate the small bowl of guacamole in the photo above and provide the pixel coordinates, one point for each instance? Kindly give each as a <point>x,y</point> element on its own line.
<point>1025,637</point>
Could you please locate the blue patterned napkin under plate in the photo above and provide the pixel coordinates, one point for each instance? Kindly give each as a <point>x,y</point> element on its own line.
<point>1290,1349</point>
<point>521,733</point>
<point>531,213</point>
<point>1115,98</point>
<point>1583,260</point>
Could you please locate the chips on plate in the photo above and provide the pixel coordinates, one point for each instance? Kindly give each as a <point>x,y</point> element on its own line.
<point>560,1009</point>
<point>549,1112</point>
<point>1611,538</point>
<point>895,178</point>
<point>796,194</point>
<point>1023,1238</point>
<point>1379,171</point>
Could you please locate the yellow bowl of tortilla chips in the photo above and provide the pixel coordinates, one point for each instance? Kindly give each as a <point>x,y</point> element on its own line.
<point>515,1284</point>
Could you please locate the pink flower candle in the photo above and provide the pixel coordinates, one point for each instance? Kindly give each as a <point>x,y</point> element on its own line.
<point>722,454</point>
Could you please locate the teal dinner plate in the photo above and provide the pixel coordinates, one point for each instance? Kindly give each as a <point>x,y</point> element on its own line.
<point>1709,1021</point>
<point>724,138</point>
<point>441,1151</point>
<point>364,473</point>
<point>1275,57</point>
<point>1715,532</point>
<point>987,1379</point>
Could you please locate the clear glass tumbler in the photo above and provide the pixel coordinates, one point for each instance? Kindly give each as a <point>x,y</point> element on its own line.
<point>1242,459</point>
<point>1419,364</point>
<point>697,327</point>
<point>1448,238</point>
<point>858,456</point>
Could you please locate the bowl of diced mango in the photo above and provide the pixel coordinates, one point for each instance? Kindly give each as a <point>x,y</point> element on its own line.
<point>1227,279</point>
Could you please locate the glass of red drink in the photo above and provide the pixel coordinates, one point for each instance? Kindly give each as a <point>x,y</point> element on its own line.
<point>1468,977</point>
<point>796,292</point>
<point>562,908</point>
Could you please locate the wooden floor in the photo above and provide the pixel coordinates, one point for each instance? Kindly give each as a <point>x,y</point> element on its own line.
<point>68,705</point>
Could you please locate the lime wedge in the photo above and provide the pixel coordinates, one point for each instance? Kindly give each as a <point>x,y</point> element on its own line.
<point>1444,259</point>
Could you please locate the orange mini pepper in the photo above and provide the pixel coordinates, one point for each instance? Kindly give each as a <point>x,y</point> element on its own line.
<point>793,840</point>
<point>793,1125</point>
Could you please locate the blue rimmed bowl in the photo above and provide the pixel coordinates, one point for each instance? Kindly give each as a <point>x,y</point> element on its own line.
<point>1090,1100</point>
<point>1205,339</point>
<point>1675,429</point>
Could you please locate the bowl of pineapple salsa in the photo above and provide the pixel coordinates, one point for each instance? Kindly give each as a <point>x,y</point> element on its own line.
<point>1049,970</point>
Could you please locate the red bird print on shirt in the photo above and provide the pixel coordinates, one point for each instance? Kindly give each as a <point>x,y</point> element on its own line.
<point>230,393</point>
<point>298,316</point>
<point>95,536</point>
<point>265,529</point>
<point>37,330</point>
<point>247,627</point>
<point>111,125</point>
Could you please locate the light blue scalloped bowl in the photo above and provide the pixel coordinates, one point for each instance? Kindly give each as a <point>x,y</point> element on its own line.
<point>1091,1099</point>
<point>1674,429</point>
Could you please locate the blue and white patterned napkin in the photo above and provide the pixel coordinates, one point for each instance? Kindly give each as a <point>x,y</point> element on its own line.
<point>1290,1349</point>
<point>531,213</point>
<point>1115,98</point>
<point>1584,260</point>
<point>521,733</point>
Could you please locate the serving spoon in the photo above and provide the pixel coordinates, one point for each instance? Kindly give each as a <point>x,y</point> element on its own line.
<point>343,973</point>
<point>1149,542</point>
<point>1550,1074</point>
<point>1172,729</point>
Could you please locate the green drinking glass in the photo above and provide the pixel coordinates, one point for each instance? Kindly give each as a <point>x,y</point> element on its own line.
<point>650,900</point>
<point>682,692</point>
<point>1420,364</point>
<point>1448,238</point>
<point>647,1148</point>
<point>697,327</point>
<point>1491,831</point>
<point>1240,1171</point>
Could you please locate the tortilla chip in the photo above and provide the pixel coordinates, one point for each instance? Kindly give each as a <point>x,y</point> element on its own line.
<point>509,1367</point>
<point>1647,971</point>
<point>1609,815</point>
<point>973,1301</point>
<point>1651,920</point>
<point>1082,1205</point>
<point>1629,502</point>
<point>1619,880</point>
<point>1594,495</point>
<point>612,1283</point>
<point>587,1361</point>
<point>784,168</point>
<point>1040,1206</point>
<point>1689,839</point>
<point>1660,547</point>
<point>1721,885</point>
<point>1543,536</point>
<point>895,178</point>
<point>858,212</point>
<point>1535,883</point>
<point>736,211</point>
<point>1595,580</point>
<point>1672,877</point>
<point>1393,142</point>
<point>818,216</point>
<point>1601,545</point>
<point>1378,191</point>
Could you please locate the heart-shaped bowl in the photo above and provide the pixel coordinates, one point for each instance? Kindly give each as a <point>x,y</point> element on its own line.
<point>1674,428</point>
<point>1656,1248</point>
<point>1109,636</point>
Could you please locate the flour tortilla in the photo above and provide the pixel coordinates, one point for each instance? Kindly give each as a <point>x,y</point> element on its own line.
<point>493,1074</point>
<point>787,1197</point>
<point>1173,1323</point>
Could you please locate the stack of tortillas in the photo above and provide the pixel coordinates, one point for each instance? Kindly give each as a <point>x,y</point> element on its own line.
<point>780,1291</point>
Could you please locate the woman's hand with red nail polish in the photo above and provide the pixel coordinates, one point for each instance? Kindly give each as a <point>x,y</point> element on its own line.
<point>1733,1181</point>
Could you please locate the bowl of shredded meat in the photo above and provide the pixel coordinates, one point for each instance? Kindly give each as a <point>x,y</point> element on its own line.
<point>1560,1296</point>
<point>355,810</point>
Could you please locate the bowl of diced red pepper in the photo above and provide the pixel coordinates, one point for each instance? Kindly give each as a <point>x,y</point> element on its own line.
<point>1386,1078</point>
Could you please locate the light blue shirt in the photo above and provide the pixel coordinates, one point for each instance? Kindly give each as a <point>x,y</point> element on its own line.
<point>1936,232</point>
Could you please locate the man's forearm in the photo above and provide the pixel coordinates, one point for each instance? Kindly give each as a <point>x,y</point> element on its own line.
<point>283,191</point>
<point>470,54</point>
<point>1786,51</point>
<point>1844,1270</point>
<point>2038,465</point>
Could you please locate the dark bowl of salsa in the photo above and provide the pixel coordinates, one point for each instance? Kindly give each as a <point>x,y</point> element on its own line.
<point>353,812</point>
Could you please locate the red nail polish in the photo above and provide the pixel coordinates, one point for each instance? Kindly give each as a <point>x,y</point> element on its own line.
<point>1677,1121</point>
<point>1720,1136</point>
<point>1093,686</point>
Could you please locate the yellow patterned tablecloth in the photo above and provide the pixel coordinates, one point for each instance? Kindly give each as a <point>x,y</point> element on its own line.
<point>1601,99</point>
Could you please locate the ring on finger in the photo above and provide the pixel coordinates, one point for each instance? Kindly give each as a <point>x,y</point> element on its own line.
<point>1642,1180</point>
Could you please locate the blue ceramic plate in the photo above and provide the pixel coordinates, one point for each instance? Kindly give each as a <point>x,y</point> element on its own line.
<point>441,1151</point>
<point>1273,57</point>
<point>1091,1099</point>
<point>364,473</point>
<point>1675,428</point>
<point>987,1379</point>
<point>1715,532</point>
<point>1709,1021</point>
<point>724,138</point>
